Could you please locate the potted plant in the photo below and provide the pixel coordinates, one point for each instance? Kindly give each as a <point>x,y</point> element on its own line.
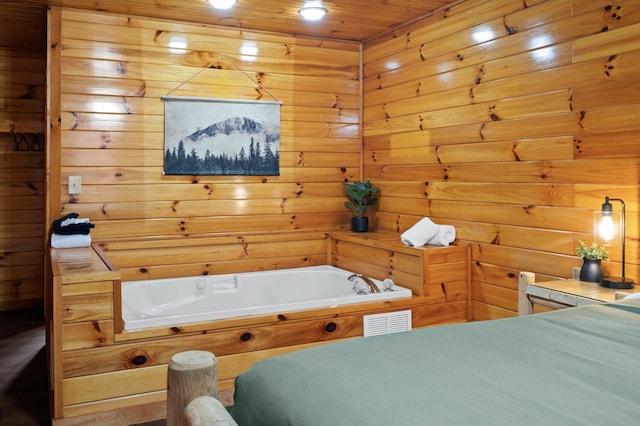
<point>592,257</point>
<point>362,196</point>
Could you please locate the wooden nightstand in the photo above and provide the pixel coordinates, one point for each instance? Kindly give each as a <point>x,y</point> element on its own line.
<point>563,293</point>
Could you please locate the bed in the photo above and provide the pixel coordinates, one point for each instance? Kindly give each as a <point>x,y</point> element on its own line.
<point>577,366</point>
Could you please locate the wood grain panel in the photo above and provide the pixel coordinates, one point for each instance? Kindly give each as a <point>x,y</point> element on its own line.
<point>83,335</point>
<point>440,26</point>
<point>211,190</point>
<point>495,275</point>
<point>87,288</point>
<point>215,254</point>
<point>87,307</point>
<point>345,22</point>
<point>508,193</point>
<point>114,71</point>
<point>22,106</point>
<point>494,295</point>
<point>140,228</point>
<point>484,312</point>
<point>222,267</point>
<point>111,385</point>
<point>230,252</point>
<point>156,89</point>
<point>558,84</point>
<point>597,171</point>
<point>606,44</point>
<point>559,148</point>
<point>178,75</point>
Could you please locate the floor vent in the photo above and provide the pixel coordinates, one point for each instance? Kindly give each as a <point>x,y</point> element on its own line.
<point>392,322</point>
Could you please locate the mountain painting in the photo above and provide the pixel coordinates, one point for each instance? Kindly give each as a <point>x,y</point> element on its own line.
<point>221,137</point>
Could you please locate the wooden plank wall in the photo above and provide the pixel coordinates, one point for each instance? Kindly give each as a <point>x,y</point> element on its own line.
<point>115,70</point>
<point>511,121</point>
<point>22,94</point>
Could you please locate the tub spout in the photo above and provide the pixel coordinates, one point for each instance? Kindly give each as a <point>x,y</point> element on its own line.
<point>374,288</point>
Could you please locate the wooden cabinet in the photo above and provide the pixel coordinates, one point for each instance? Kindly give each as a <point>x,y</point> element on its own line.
<point>79,314</point>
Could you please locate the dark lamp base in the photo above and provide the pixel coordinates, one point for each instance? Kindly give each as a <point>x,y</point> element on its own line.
<point>617,282</point>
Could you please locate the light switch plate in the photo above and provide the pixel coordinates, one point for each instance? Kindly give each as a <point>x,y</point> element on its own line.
<point>75,185</point>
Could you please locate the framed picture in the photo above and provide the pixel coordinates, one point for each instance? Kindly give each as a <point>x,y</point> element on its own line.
<point>204,136</point>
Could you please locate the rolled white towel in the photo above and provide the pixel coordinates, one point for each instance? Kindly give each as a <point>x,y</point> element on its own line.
<point>446,235</point>
<point>70,241</point>
<point>420,233</point>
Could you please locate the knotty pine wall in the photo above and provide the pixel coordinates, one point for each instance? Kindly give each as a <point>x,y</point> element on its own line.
<point>514,139</point>
<point>113,73</point>
<point>22,94</point>
<point>512,121</point>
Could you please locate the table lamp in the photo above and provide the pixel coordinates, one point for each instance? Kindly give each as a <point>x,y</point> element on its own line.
<point>607,225</point>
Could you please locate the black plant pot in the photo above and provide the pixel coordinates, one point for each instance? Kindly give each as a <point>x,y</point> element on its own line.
<point>591,270</point>
<point>359,224</point>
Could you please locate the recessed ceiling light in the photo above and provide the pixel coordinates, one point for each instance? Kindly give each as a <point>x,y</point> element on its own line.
<point>222,4</point>
<point>312,10</point>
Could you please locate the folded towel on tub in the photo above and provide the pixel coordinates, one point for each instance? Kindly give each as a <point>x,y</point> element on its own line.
<point>70,241</point>
<point>420,233</point>
<point>446,235</point>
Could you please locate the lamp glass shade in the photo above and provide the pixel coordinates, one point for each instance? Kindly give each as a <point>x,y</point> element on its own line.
<point>607,228</point>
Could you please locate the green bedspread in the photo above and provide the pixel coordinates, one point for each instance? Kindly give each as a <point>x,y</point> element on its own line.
<point>578,366</point>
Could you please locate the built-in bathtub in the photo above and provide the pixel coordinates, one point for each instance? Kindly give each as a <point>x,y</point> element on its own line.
<point>175,301</point>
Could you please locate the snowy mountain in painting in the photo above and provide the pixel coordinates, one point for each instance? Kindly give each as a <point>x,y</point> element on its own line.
<point>230,136</point>
<point>235,146</point>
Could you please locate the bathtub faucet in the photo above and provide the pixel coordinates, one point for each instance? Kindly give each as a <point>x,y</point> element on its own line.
<point>374,288</point>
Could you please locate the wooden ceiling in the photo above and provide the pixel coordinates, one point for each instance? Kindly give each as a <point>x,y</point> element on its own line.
<point>359,20</point>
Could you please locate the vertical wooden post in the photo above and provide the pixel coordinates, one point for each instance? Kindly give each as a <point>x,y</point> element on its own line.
<point>191,374</point>
<point>525,307</point>
<point>52,286</point>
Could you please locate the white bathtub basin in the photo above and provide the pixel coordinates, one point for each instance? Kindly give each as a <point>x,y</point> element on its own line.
<point>175,301</point>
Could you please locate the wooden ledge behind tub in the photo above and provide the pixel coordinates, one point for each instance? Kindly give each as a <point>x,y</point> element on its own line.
<point>438,273</point>
<point>102,375</point>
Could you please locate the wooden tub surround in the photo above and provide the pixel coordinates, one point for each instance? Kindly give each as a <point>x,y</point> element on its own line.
<point>100,373</point>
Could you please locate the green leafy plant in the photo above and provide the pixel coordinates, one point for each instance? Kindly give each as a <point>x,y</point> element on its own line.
<point>362,196</point>
<point>592,252</point>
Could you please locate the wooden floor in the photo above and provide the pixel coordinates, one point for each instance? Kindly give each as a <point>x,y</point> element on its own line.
<point>24,399</point>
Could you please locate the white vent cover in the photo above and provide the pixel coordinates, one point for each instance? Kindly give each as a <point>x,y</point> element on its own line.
<point>391,322</point>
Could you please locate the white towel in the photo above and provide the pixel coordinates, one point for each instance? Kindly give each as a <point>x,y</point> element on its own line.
<point>446,235</point>
<point>70,241</point>
<point>420,233</point>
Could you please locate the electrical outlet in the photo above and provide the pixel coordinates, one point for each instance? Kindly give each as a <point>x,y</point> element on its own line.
<point>75,185</point>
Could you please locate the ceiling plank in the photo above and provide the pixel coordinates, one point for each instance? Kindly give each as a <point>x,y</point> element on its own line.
<point>355,20</point>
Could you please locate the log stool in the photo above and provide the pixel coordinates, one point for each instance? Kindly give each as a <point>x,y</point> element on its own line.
<point>191,374</point>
